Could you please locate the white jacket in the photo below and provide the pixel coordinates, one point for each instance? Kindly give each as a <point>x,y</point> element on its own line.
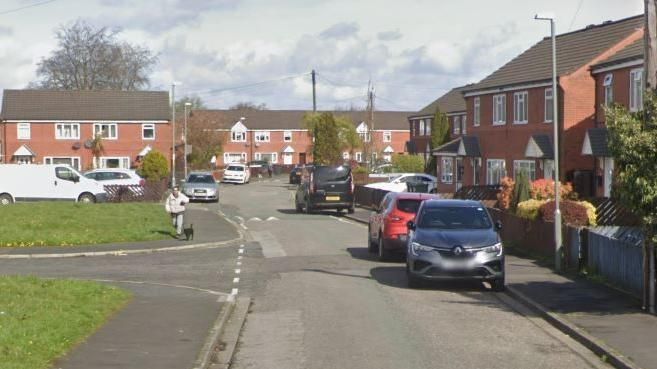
<point>176,205</point>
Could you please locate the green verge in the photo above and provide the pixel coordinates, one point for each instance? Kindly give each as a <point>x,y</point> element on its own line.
<point>41,320</point>
<point>67,224</point>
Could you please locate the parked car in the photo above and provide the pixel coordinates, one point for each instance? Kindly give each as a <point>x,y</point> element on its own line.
<point>326,187</point>
<point>454,239</point>
<point>258,166</point>
<point>387,230</point>
<point>32,182</point>
<point>115,176</point>
<point>201,186</point>
<point>398,183</point>
<point>236,173</point>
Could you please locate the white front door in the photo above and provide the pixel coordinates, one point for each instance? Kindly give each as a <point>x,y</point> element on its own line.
<point>609,175</point>
<point>287,158</point>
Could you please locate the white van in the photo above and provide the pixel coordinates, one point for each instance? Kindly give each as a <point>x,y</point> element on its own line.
<point>32,182</point>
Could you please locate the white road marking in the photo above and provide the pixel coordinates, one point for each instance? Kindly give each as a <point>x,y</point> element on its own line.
<point>272,218</point>
<point>241,251</point>
<point>243,226</point>
<point>347,221</point>
<point>236,280</point>
<point>239,263</point>
<point>271,248</point>
<point>239,258</point>
<point>255,219</point>
<point>234,291</point>
<point>238,271</point>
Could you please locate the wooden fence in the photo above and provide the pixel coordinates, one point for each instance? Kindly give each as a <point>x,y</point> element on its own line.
<point>151,191</point>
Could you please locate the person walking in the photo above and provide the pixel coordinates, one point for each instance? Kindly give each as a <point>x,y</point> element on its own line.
<point>269,169</point>
<point>175,206</point>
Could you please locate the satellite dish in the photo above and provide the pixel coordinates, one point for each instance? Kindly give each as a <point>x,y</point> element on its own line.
<point>88,143</point>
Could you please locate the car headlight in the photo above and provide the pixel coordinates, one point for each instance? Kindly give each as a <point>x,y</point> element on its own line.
<point>417,248</point>
<point>494,249</point>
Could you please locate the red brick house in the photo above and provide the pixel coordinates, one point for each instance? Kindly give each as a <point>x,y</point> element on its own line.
<point>619,79</point>
<point>48,126</point>
<point>510,118</point>
<point>279,136</point>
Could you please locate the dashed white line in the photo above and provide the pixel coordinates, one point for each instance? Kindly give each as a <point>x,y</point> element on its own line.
<point>239,258</point>
<point>238,271</point>
<point>241,251</point>
<point>236,280</point>
<point>234,291</point>
<point>239,263</point>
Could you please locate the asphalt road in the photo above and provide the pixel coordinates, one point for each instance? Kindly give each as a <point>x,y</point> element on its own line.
<point>321,301</point>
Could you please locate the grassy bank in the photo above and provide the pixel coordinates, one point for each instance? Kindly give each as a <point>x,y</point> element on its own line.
<point>41,320</point>
<point>65,224</point>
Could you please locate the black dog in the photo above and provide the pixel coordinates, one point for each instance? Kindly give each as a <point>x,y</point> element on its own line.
<point>189,232</point>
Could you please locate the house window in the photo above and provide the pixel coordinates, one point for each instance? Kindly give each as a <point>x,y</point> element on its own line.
<point>148,131</point>
<point>526,166</point>
<point>463,123</point>
<point>345,155</point>
<point>495,171</point>
<point>428,126</point>
<point>520,107</point>
<point>238,136</point>
<point>499,109</point>
<point>23,131</point>
<point>387,136</point>
<point>67,131</point>
<point>457,125</point>
<point>636,89</point>
<point>608,83</point>
<point>114,162</point>
<point>234,157</point>
<point>359,156</point>
<point>261,136</point>
<point>107,131</point>
<point>287,136</point>
<point>447,172</point>
<point>477,111</point>
<point>421,129</point>
<point>549,106</point>
<point>73,161</point>
<point>412,128</point>
<point>548,169</point>
<point>269,157</point>
<point>365,136</point>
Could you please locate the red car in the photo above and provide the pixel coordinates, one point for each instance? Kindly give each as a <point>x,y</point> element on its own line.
<point>387,231</point>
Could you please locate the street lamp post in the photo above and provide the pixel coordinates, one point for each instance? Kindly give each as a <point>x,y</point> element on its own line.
<point>187,104</point>
<point>555,124</point>
<point>173,147</point>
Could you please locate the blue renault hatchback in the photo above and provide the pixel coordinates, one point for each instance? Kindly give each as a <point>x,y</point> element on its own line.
<point>454,239</point>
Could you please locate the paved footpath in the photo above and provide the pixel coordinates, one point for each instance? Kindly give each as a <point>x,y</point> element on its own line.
<point>603,319</point>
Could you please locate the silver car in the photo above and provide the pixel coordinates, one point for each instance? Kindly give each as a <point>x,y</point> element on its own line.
<point>454,239</point>
<point>201,186</point>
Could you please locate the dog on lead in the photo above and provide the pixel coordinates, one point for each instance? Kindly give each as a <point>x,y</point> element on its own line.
<point>189,232</point>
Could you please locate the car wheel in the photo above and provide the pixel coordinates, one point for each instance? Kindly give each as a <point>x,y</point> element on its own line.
<point>87,198</point>
<point>6,199</point>
<point>371,245</point>
<point>350,210</point>
<point>309,209</point>
<point>384,254</point>
<point>411,280</point>
<point>498,284</point>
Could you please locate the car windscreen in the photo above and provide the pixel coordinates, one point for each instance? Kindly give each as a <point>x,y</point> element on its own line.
<point>408,205</point>
<point>200,178</point>
<point>235,168</point>
<point>329,174</point>
<point>454,218</point>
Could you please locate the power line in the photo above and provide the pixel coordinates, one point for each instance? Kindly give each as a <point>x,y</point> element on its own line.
<point>579,6</point>
<point>245,86</point>
<point>26,7</point>
<point>394,103</point>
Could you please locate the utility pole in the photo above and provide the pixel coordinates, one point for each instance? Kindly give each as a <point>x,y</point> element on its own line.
<point>650,70</point>
<point>314,96</point>
<point>187,105</point>
<point>370,126</point>
<point>173,147</point>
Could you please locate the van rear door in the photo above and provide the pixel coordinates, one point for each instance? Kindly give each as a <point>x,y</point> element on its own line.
<point>333,183</point>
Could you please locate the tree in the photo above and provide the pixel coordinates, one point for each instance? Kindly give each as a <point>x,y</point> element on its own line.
<point>91,58</point>
<point>197,103</point>
<point>407,163</point>
<point>520,190</point>
<point>247,105</point>
<point>327,146</point>
<point>633,144</point>
<point>439,136</point>
<point>154,166</point>
<point>97,149</point>
<point>347,137</point>
<point>206,142</point>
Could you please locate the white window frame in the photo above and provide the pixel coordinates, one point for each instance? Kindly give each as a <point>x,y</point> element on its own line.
<point>421,128</point>
<point>262,136</point>
<point>359,156</point>
<point>499,110</point>
<point>477,112</point>
<point>387,136</point>
<point>145,127</point>
<point>636,89</point>
<point>456,121</point>
<point>73,164</point>
<point>237,136</point>
<point>520,111</point>
<point>288,158</point>
<point>529,165</point>
<point>60,127</point>
<point>287,136</point>
<point>549,105</point>
<point>124,161</point>
<point>26,129</point>
<point>98,128</point>
<point>229,156</point>
<point>345,155</point>
<point>608,84</point>
<point>447,170</point>
<point>494,164</point>
<point>427,126</point>
<point>464,124</point>
<point>273,155</point>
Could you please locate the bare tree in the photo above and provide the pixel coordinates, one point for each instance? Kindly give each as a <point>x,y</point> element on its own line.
<point>91,58</point>
<point>247,105</point>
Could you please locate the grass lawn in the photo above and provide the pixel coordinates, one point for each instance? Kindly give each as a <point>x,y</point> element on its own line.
<point>41,320</point>
<point>68,223</point>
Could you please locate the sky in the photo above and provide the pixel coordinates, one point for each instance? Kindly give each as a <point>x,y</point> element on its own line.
<point>262,51</point>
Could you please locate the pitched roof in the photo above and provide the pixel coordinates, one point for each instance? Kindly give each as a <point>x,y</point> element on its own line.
<point>85,105</point>
<point>595,142</point>
<point>462,146</point>
<point>293,119</point>
<point>540,147</point>
<point>574,50</point>
<point>450,102</point>
<point>633,51</point>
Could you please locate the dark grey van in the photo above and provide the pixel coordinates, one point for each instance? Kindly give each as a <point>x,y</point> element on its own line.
<point>326,187</point>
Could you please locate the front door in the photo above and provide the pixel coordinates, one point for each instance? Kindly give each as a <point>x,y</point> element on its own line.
<point>302,158</point>
<point>609,173</point>
<point>459,173</point>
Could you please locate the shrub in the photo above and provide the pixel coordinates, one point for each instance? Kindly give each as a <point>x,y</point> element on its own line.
<point>154,167</point>
<point>506,191</point>
<point>572,212</point>
<point>529,209</point>
<point>543,189</point>
<point>359,170</point>
<point>408,163</point>
<point>520,190</point>
<point>590,212</point>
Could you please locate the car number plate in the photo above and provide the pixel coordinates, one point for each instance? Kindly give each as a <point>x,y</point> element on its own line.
<point>332,198</point>
<point>451,265</point>
<point>199,191</point>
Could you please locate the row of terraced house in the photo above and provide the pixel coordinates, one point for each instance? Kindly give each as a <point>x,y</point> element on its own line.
<point>504,124</point>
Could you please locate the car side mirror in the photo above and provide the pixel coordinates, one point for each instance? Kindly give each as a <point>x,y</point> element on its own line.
<point>498,226</point>
<point>411,225</point>
<point>76,179</point>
